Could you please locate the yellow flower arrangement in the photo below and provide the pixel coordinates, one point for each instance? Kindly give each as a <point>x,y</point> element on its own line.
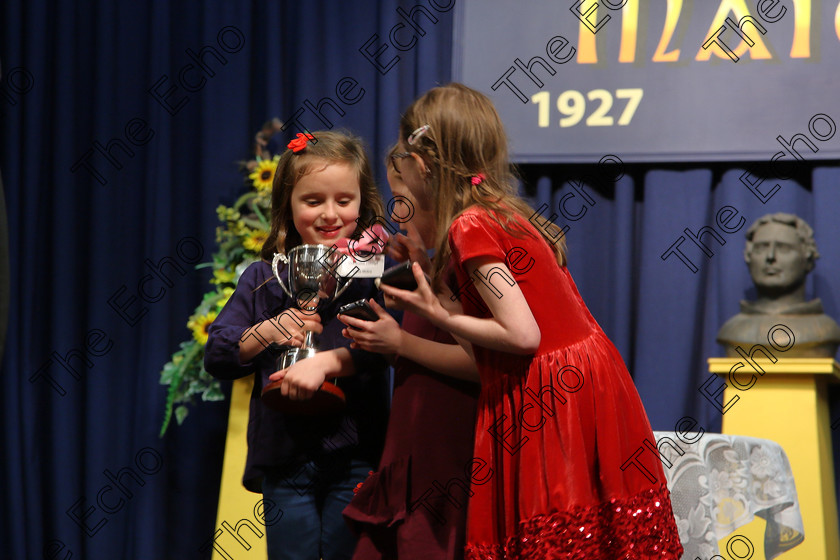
<point>243,230</point>
<point>223,276</point>
<point>226,293</point>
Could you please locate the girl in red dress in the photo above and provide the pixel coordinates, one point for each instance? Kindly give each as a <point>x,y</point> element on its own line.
<point>558,415</point>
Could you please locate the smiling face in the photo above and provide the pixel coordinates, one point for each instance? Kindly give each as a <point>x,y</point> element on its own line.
<point>777,260</point>
<point>325,203</point>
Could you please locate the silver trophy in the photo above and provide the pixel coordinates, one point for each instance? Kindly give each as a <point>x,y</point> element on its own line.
<point>312,282</point>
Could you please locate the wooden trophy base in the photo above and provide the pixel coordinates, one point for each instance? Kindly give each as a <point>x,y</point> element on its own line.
<point>329,399</point>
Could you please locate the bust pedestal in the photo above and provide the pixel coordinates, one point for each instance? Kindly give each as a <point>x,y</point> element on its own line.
<point>788,403</point>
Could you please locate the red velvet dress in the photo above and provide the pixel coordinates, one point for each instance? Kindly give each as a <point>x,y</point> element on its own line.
<point>553,429</point>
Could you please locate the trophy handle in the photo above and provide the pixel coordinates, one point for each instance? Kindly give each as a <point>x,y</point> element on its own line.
<point>280,257</point>
<point>344,287</point>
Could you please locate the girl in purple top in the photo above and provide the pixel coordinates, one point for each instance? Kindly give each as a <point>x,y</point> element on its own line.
<point>307,466</point>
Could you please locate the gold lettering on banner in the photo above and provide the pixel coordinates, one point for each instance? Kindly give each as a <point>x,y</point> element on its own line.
<point>629,31</point>
<point>747,34</point>
<point>739,8</point>
<point>837,21</point>
<point>587,43</point>
<point>587,52</point>
<point>672,16</point>
<point>801,47</point>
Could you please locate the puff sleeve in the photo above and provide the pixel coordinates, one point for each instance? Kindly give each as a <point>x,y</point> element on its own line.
<point>476,234</point>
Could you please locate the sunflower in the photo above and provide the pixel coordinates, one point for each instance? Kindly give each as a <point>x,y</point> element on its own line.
<point>199,325</point>
<point>263,175</point>
<point>254,240</point>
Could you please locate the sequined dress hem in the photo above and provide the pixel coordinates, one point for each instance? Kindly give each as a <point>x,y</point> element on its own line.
<point>640,527</point>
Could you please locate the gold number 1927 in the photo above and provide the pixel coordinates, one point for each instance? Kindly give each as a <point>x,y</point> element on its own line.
<point>572,105</point>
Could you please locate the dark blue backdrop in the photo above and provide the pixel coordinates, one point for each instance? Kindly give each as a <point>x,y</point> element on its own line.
<point>83,227</point>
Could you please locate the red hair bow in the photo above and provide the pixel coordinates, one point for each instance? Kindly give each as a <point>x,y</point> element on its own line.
<point>299,143</point>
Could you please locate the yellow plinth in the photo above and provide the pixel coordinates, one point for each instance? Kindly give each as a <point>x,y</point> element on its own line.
<point>753,532</point>
<point>789,404</point>
<point>240,521</point>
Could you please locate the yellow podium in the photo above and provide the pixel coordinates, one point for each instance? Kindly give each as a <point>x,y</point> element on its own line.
<point>240,520</point>
<point>788,403</point>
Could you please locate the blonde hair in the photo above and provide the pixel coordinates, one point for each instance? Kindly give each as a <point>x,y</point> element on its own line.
<point>329,147</point>
<point>466,137</point>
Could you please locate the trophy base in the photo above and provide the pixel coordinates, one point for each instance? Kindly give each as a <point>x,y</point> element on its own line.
<point>329,399</point>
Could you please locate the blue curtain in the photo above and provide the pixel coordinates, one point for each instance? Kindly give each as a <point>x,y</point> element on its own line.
<point>122,125</point>
<point>173,93</point>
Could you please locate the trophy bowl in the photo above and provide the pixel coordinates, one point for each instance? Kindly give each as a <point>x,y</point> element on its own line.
<point>312,282</point>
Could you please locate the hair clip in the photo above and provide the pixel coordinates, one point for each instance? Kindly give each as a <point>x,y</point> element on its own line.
<point>299,143</point>
<point>415,136</point>
<point>477,179</point>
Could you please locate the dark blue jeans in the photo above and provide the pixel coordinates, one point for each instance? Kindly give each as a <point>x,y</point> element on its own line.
<point>312,496</point>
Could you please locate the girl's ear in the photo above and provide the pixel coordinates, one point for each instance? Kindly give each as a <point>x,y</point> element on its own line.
<point>421,164</point>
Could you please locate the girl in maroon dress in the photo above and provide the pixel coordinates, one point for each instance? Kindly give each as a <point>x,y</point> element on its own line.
<point>558,415</point>
<point>414,507</point>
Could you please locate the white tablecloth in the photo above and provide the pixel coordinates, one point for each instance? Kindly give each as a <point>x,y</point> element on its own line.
<point>722,482</point>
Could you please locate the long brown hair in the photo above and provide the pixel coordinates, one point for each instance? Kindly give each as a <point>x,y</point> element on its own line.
<point>328,147</point>
<point>465,138</point>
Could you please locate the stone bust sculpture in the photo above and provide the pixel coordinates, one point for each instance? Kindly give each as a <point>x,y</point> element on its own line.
<point>780,252</point>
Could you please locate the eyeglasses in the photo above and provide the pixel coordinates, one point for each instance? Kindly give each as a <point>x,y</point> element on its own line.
<point>396,157</point>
